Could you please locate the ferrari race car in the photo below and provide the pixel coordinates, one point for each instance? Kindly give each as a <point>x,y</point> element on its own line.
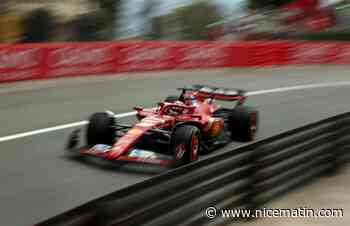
<point>174,133</point>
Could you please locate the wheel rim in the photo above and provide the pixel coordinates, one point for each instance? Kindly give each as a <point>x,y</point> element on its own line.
<point>180,151</point>
<point>195,147</point>
<point>253,126</point>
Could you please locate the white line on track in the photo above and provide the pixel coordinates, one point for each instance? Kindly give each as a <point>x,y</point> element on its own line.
<point>301,87</point>
<point>123,115</point>
<point>56,128</point>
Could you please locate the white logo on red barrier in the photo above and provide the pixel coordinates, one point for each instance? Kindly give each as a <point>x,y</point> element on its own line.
<point>311,54</point>
<point>204,53</point>
<point>343,54</point>
<point>79,56</point>
<point>204,56</point>
<point>19,59</point>
<point>141,54</point>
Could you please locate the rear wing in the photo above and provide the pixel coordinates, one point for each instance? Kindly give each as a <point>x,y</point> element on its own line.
<point>218,93</point>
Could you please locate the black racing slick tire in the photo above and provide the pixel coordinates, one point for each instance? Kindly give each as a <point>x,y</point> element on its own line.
<point>243,123</point>
<point>100,129</point>
<point>185,144</point>
<point>171,99</point>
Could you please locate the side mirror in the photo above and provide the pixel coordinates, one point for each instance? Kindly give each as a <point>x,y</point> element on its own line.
<point>138,108</point>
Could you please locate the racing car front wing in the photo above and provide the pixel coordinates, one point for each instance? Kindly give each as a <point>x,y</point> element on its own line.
<point>106,152</point>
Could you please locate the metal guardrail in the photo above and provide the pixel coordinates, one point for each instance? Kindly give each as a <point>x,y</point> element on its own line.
<point>246,177</point>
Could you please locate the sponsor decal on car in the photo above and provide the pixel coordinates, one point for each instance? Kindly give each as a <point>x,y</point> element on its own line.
<point>142,154</point>
<point>149,157</point>
<point>101,148</point>
<point>151,121</point>
<point>149,160</point>
<point>135,131</point>
<point>145,124</point>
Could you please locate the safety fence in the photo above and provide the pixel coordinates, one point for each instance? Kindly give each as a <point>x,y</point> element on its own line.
<point>42,61</point>
<point>244,178</point>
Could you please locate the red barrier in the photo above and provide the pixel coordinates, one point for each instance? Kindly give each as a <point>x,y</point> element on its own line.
<point>79,59</point>
<point>313,53</point>
<point>269,54</point>
<point>21,62</point>
<point>204,55</point>
<point>39,61</point>
<point>342,54</point>
<point>143,56</point>
<point>260,54</point>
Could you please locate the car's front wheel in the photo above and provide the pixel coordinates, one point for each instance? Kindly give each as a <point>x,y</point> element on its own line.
<point>185,144</point>
<point>100,129</point>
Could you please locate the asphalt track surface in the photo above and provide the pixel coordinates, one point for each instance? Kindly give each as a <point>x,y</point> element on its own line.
<point>38,181</point>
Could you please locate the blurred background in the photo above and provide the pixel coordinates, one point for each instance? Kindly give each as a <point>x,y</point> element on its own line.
<point>23,21</point>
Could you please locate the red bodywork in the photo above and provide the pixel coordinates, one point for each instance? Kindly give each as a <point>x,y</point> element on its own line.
<point>164,117</point>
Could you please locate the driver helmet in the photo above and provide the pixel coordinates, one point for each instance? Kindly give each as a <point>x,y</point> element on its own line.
<point>189,99</point>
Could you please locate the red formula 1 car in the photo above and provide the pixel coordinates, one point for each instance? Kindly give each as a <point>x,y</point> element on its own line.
<point>175,132</point>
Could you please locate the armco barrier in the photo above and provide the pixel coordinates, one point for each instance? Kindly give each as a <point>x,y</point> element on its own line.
<point>42,61</point>
<point>246,177</point>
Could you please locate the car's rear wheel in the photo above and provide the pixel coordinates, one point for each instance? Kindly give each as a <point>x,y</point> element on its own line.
<point>100,129</point>
<point>243,123</point>
<point>185,144</point>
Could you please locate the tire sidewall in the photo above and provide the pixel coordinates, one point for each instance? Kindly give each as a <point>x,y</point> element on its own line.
<point>242,120</point>
<point>100,129</point>
<point>181,144</point>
